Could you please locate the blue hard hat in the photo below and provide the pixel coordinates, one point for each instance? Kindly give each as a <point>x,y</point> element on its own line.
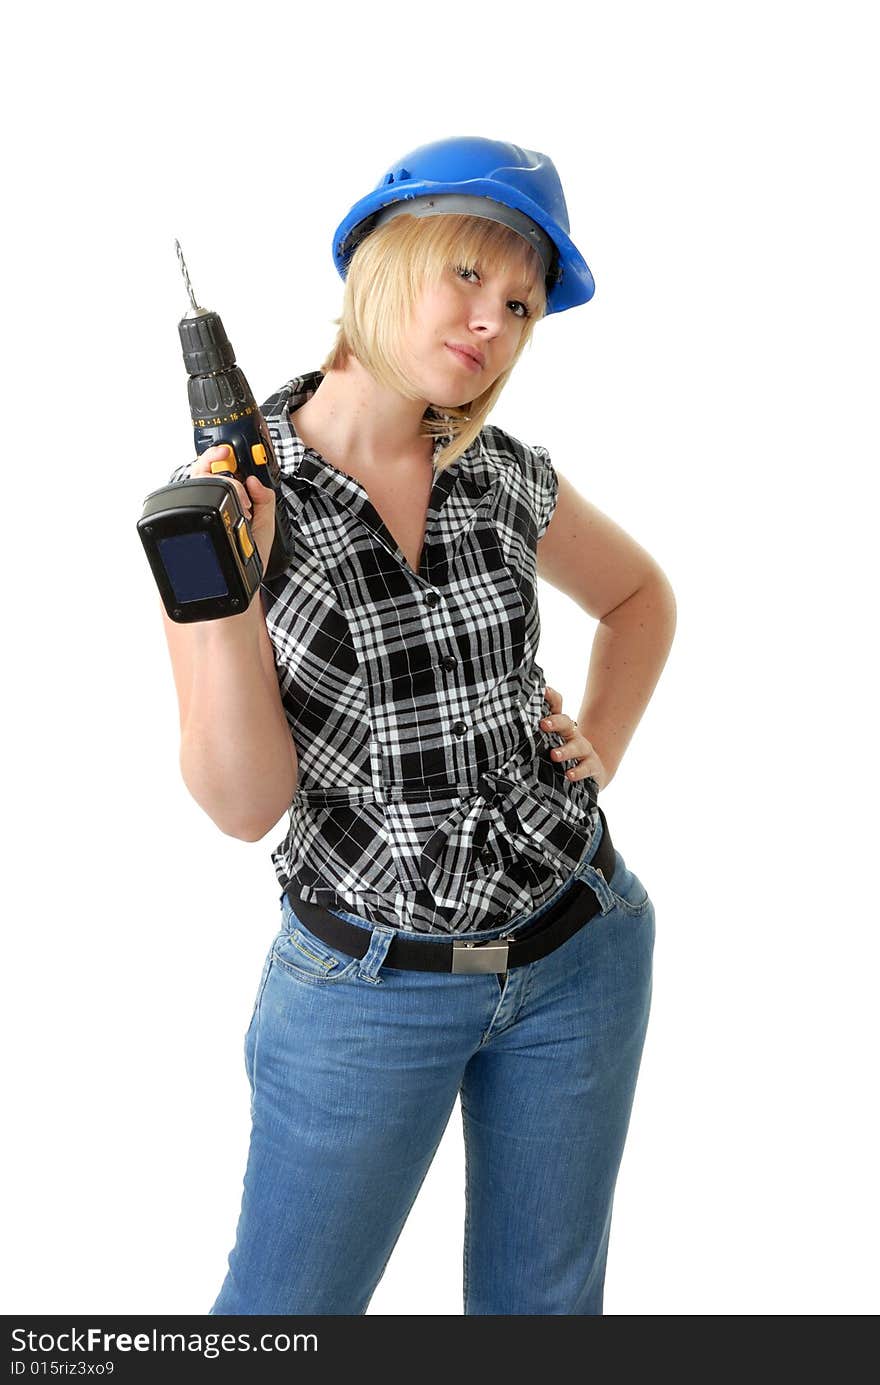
<point>481,177</point>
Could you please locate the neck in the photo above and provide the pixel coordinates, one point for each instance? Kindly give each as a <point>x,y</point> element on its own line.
<point>351,415</point>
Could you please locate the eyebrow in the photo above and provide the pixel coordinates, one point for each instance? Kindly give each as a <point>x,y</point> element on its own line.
<point>524,286</point>
<point>527,286</point>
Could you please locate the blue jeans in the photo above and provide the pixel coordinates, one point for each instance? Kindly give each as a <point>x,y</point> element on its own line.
<point>354,1070</point>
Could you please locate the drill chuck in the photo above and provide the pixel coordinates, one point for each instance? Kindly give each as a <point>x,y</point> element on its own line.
<point>206,346</point>
<point>217,389</point>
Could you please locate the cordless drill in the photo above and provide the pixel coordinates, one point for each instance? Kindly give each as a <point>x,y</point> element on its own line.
<point>196,537</point>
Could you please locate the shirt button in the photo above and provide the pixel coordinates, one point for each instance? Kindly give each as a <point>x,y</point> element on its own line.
<point>431,598</point>
<point>460,728</point>
<point>448,662</point>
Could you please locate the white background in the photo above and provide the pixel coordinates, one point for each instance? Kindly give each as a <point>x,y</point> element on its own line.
<point>717,398</point>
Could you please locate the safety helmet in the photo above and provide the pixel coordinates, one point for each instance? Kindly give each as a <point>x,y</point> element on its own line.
<point>480,177</point>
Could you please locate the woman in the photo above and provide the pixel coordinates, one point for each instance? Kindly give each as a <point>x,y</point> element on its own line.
<point>455,919</point>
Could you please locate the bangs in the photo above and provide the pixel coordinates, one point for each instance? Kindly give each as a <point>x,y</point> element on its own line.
<point>443,241</point>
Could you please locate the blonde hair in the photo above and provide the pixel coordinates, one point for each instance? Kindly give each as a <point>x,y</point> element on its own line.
<point>385,278</point>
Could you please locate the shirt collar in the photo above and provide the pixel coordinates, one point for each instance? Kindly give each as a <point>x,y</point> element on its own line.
<point>475,468</point>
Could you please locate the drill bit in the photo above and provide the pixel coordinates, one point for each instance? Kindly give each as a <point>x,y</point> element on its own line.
<point>185,272</point>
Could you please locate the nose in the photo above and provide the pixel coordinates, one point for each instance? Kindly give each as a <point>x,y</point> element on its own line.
<point>487,314</point>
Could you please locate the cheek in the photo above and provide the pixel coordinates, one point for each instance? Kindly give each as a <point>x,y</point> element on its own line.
<point>436,300</point>
<point>511,346</point>
<point>431,322</point>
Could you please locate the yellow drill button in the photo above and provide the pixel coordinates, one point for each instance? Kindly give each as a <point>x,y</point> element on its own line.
<point>226,463</point>
<point>244,541</point>
<point>258,452</point>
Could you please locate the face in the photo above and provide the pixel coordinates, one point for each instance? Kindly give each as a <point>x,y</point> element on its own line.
<point>482,310</point>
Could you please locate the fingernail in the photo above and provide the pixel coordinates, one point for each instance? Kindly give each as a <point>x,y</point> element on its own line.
<point>219,451</point>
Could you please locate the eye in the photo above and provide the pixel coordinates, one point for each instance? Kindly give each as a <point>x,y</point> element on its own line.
<point>463,271</point>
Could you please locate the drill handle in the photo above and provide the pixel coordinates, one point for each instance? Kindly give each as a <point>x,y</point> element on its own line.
<point>253,455</point>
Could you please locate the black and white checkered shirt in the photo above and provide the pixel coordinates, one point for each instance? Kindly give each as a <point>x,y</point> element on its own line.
<point>426,798</point>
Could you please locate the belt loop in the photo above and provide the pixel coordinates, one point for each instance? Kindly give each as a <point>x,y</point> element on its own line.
<point>381,939</point>
<point>594,876</point>
<point>593,848</point>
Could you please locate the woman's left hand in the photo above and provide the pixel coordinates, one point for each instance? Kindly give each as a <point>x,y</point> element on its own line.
<point>577,746</point>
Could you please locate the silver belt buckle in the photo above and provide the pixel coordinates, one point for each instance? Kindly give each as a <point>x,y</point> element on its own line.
<point>477,957</point>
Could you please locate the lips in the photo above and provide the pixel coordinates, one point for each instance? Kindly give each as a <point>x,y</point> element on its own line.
<point>465,357</point>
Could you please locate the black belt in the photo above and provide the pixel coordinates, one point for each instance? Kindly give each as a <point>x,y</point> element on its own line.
<point>560,922</point>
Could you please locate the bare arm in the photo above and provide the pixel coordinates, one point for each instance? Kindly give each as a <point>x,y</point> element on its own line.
<point>586,555</point>
<point>630,648</point>
<point>237,755</point>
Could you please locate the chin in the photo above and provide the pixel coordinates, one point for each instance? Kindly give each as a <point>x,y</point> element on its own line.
<point>450,394</point>
<point>447,399</point>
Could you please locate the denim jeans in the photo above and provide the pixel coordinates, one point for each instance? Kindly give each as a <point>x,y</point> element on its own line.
<point>354,1069</point>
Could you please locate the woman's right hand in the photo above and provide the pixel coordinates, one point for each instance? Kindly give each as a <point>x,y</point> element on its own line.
<point>257,501</point>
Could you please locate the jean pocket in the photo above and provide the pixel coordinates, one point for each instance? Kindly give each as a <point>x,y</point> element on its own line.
<point>629,893</point>
<point>249,1032</point>
<point>307,957</point>
<point>260,988</point>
